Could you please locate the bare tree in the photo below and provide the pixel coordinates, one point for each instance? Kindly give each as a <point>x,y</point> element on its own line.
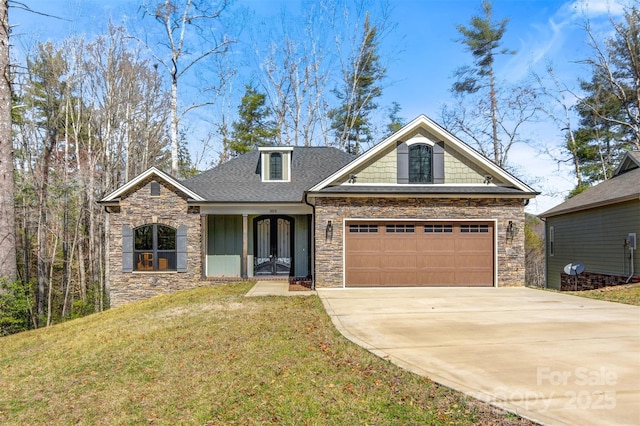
<point>180,22</point>
<point>8,265</point>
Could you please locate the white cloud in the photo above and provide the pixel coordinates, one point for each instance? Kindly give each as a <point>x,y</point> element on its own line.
<point>597,8</point>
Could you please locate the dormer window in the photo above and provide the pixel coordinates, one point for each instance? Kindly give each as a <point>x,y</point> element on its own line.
<point>275,164</point>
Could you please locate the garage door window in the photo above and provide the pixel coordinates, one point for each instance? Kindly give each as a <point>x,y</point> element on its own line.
<point>474,229</point>
<point>437,228</point>
<point>400,229</point>
<point>363,229</point>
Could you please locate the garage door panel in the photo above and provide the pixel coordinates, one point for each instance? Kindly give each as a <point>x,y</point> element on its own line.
<point>398,262</point>
<point>427,244</point>
<point>395,278</point>
<point>475,278</point>
<point>419,254</point>
<point>475,261</point>
<point>362,278</point>
<point>436,261</point>
<point>437,279</point>
<point>404,245</point>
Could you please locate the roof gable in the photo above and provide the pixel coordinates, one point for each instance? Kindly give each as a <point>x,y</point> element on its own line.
<point>425,130</point>
<point>151,172</point>
<point>624,186</point>
<point>630,161</point>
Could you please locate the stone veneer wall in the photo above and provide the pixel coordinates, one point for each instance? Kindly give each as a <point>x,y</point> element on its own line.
<point>592,281</point>
<point>329,255</point>
<point>140,208</point>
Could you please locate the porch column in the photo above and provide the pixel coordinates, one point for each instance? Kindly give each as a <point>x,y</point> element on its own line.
<point>245,246</point>
<point>204,232</point>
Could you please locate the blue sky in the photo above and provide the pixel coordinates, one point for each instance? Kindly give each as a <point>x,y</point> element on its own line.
<point>423,51</point>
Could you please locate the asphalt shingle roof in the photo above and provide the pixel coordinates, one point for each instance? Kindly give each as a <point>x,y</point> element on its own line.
<point>621,187</point>
<point>239,180</point>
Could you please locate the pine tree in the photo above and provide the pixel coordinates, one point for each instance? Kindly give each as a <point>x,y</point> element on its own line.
<point>610,110</point>
<point>255,126</point>
<point>351,121</point>
<point>483,38</point>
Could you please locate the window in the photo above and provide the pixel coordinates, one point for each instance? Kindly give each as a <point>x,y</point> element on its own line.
<point>551,241</point>
<point>155,189</point>
<point>437,228</point>
<point>154,248</point>
<point>363,228</point>
<point>400,229</point>
<point>275,163</point>
<point>419,163</point>
<point>275,166</point>
<point>474,229</point>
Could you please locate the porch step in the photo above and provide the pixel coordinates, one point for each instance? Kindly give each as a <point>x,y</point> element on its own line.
<point>275,288</point>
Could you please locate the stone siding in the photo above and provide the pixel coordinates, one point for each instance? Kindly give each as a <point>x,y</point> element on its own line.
<point>592,281</point>
<point>140,208</point>
<point>329,254</point>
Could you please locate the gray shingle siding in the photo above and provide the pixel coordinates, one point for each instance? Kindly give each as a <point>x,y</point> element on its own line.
<point>594,237</point>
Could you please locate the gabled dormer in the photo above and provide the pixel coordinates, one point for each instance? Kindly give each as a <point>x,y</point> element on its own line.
<point>275,163</point>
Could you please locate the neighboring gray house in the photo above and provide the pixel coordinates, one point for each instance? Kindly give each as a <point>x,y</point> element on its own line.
<point>421,208</point>
<point>598,228</point>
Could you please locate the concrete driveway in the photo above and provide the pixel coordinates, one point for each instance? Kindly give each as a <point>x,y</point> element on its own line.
<point>553,358</point>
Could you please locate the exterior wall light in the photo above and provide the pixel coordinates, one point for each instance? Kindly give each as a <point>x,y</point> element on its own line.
<point>512,230</point>
<point>328,233</point>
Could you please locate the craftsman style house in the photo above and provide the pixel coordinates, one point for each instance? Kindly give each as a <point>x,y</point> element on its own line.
<point>421,208</point>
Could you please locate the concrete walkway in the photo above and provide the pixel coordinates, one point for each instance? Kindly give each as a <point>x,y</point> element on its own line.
<point>275,288</point>
<point>553,358</point>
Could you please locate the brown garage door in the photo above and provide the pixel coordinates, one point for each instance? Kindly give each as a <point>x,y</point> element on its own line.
<point>419,254</point>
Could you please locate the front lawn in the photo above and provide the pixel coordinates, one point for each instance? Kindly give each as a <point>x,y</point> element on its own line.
<point>211,356</point>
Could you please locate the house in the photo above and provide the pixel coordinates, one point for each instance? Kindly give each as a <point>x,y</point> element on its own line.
<point>421,208</point>
<point>596,229</point>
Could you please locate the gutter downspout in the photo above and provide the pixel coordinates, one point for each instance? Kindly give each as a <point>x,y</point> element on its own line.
<point>312,266</point>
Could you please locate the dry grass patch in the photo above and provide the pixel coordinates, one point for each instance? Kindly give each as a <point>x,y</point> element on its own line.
<point>628,294</point>
<point>210,356</point>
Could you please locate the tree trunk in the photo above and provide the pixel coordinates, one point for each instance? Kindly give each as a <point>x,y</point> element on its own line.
<point>8,263</point>
<point>174,125</point>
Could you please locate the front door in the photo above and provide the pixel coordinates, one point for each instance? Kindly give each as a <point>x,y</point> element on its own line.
<point>273,243</point>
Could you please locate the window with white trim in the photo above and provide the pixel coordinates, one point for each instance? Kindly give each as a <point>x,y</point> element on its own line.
<point>275,164</point>
<point>551,241</point>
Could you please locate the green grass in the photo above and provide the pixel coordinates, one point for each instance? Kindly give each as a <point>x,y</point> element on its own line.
<point>629,294</point>
<point>209,357</point>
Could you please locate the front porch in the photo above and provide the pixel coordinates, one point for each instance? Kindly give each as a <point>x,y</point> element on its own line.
<point>254,243</point>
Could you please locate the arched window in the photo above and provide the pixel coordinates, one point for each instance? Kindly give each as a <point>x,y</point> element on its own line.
<point>420,164</point>
<point>154,248</point>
